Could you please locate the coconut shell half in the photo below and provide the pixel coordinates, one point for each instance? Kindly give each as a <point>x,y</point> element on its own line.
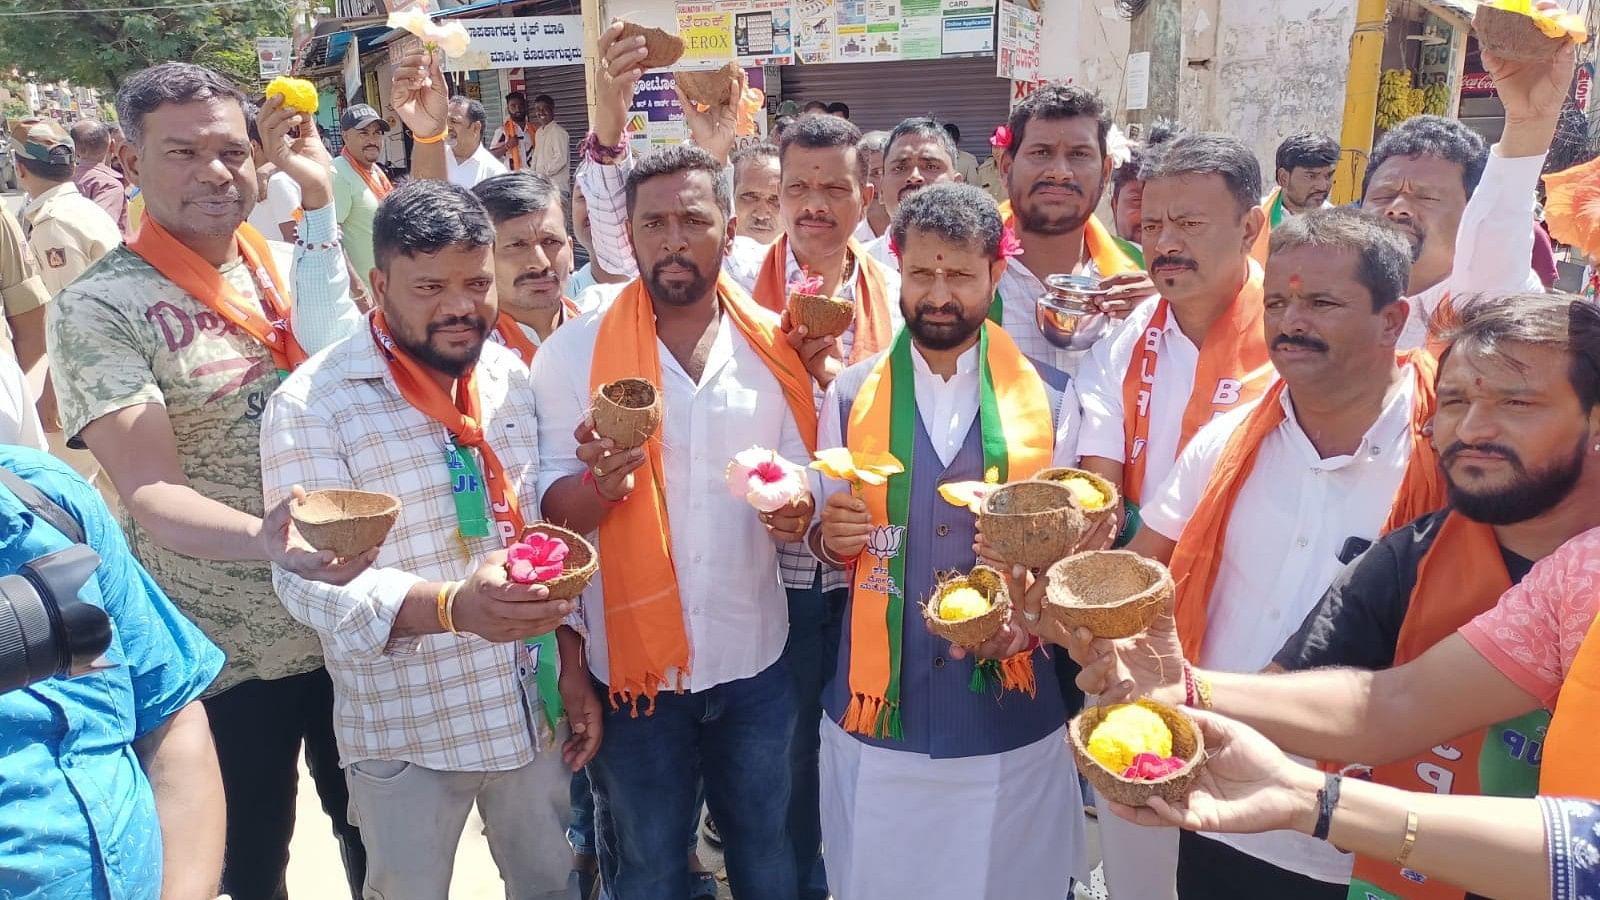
<point>1187,745</point>
<point>709,88</point>
<point>1113,593</point>
<point>345,523</point>
<point>977,630</point>
<point>1095,516</point>
<point>579,566</point>
<point>662,48</point>
<point>1512,35</point>
<point>1032,523</point>
<point>822,316</point>
<point>628,411</point>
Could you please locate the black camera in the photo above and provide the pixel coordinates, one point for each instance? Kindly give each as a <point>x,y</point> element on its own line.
<point>46,631</point>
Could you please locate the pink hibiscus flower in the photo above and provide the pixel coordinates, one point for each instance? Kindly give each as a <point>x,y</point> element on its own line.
<point>537,559</point>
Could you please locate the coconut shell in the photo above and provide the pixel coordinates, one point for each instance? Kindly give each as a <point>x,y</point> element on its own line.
<point>628,411</point>
<point>1095,516</point>
<point>709,88</point>
<point>822,316</point>
<point>1032,523</point>
<point>1187,745</point>
<point>662,48</point>
<point>579,566</point>
<point>1113,593</point>
<point>345,523</point>
<point>1512,35</point>
<point>974,631</point>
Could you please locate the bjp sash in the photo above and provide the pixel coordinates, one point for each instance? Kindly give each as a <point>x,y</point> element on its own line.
<point>1273,207</point>
<point>874,327</point>
<point>1234,368</point>
<point>644,614</point>
<point>1017,426</point>
<point>377,182</point>
<point>1571,766</point>
<point>1198,556</point>
<point>508,331</point>
<point>1110,259</point>
<point>1462,575</point>
<point>513,146</point>
<point>201,280</point>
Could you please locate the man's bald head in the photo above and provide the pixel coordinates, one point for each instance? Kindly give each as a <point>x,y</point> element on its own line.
<point>92,140</point>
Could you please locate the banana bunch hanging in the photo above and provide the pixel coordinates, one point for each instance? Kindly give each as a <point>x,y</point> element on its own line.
<point>1436,99</point>
<point>1398,100</point>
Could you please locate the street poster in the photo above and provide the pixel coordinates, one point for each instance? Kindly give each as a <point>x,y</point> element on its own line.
<point>814,31</point>
<point>920,35</point>
<point>707,33</point>
<point>967,27</point>
<point>656,119</point>
<point>523,42</point>
<point>752,32</point>
<point>276,56</point>
<point>1018,55</point>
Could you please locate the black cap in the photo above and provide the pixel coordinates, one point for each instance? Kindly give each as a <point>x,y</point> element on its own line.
<point>360,116</point>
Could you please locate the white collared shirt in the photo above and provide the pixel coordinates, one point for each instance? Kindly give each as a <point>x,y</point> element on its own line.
<point>1494,251</point>
<point>864,232</point>
<point>948,409</point>
<point>1288,527</point>
<point>1100,393</point>
<point>735,611</point>
<point>479,167</point>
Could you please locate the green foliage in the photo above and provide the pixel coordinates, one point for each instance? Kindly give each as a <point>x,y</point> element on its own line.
<point>100,49</point>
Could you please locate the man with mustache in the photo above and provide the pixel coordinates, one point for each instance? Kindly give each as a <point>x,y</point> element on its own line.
<point>453,682</point>
<point>165,354</point>
<point>360,184</point>
<point>1304,174</point>
<point>919,153</point>
<point>467,160</point>
<point>687,618</point>
<point>1452,198</point>
<point>1435,653</point>
<point>1341,433</point>
<point>532,260</point>
<point>869,153</point>
<point>756,189</point>
<point>931,788</point>
<point>514,144</point>
<point>1056,169</point>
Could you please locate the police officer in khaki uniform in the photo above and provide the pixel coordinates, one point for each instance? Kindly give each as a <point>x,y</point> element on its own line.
<point>23,298</point>
<point>65,234</point>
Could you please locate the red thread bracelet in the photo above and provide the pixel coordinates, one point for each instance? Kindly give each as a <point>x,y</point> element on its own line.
<point>1190,690</point>
<point>589,479</point>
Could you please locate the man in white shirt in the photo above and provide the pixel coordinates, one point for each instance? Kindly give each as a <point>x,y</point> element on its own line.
<point>514,141</point>
<point>919,153</point>
<point>687,632</point>
<point>954,792</point>
<point>869,153</point>
<point>1056,169</point>
<point>1456,202</point>
<point>19,420</point>
<point>277,213</point>
<point>756,187</point>
<point>452,684</point>
<point>1334,454</point>
<point>467,160</point>
<point>552,150</point>
<point>532,260</point>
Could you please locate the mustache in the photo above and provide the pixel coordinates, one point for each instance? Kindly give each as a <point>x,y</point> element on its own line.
<point>1299,340</point>
<point>947,309</point>
<point>476,323</point>
<point>1458,447</point>
<point>676,259</point>
<point>815,218</point>
<point>527,277</point>
<point>230,194</point>
<point>1055,185</point>
<point>1174,260</point>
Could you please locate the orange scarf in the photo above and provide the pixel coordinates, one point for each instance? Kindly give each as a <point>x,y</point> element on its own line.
<point>201,280</point>
<point>377,182</point>
<point>1462,575</point>
<point>873,324</point>
<point>1571,765</point>
<point>1273,208</point>
<point>1198,556</point>
<point>513,145</point>
<point>1109,258</point>
<point>1234,368</point>
<point>644,615</point>
<point>508,331</point>
<point>461,415</point>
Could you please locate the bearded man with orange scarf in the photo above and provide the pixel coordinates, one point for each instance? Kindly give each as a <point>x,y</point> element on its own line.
<point>165,354</point>
<point>687,619</point>
<point>941,777</point>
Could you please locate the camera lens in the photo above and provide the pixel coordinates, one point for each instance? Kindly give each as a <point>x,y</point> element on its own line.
<point>45,630</point>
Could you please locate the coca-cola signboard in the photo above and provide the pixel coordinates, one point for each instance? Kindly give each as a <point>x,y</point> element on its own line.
<point>1477,84</point>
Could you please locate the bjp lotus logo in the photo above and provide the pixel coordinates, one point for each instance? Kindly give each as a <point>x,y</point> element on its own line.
<point>885,540</point>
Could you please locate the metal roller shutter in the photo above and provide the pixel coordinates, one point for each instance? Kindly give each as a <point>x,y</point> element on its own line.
<point>880,94</point>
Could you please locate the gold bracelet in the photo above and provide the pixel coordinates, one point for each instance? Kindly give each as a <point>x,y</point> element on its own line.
<point>450,605</point>
<point>1202,688</point>
<point>446,598</point>
<point>1410,841</point>
<point>419,139</point>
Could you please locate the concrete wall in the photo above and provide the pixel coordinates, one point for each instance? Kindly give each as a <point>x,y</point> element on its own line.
<point>1087,42</point>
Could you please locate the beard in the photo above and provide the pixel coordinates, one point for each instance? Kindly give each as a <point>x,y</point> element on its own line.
<point>1528,496</point>
<point>943,336</point>
<point>1033,221</point>
<point>686,294</point>
<point>452,363</point>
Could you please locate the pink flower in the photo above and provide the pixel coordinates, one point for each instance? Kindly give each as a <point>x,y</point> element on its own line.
<point>1150,767</point>
<point>807,283</point>
<point>1010,247</point>
<point>1001,137</point>
<point>765,480</point>
<point>537,559</point>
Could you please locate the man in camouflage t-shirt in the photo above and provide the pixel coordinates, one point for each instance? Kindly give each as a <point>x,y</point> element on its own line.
<point>168,391</point>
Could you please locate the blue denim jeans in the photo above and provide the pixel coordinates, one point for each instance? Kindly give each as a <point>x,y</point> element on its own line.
<point>580,831</point>
<point>815,618</point>
<point>735,738</point>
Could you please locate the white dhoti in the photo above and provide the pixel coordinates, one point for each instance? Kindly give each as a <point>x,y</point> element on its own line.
<point>1140,863</point>
<point>898,824</point>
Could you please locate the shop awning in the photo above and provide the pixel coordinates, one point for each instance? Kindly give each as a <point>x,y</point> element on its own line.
<point>326,51</point>
<point>1458,11</point>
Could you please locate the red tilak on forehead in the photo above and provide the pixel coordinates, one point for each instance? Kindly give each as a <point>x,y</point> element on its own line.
<point>939,256</point>
<point>1295,283</point>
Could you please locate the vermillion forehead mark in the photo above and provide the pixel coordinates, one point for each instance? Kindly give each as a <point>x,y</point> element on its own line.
<point>1295,283</point>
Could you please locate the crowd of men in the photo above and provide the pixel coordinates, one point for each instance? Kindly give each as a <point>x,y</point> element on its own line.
<point>1358,437</point>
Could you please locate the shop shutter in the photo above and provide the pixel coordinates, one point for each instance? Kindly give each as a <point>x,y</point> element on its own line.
<point>565,85</point>
<point>960,90</point>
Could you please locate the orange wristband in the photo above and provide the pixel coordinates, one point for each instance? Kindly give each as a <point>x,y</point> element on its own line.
<point>417,138</point>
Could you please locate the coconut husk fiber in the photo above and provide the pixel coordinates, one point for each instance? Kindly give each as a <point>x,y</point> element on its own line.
<point>709,88</point>
<point>1095,516</point>
<point>662,48</point>
<point>1187,745</point>
<point>1512,35</point>
<point>1113,593</point>
<point>345,523</point>
<point>977,630</point>
<point>628,411</point>
<point>1032,523</point>
<point>579,566</point>
<point>822,316</point>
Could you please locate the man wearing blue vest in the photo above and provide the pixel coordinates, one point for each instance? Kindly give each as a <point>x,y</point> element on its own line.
<point>939,780</point>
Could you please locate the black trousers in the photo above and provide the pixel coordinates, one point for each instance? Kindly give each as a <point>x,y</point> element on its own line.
<point>1212,870</point>
<point>259,728</point>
